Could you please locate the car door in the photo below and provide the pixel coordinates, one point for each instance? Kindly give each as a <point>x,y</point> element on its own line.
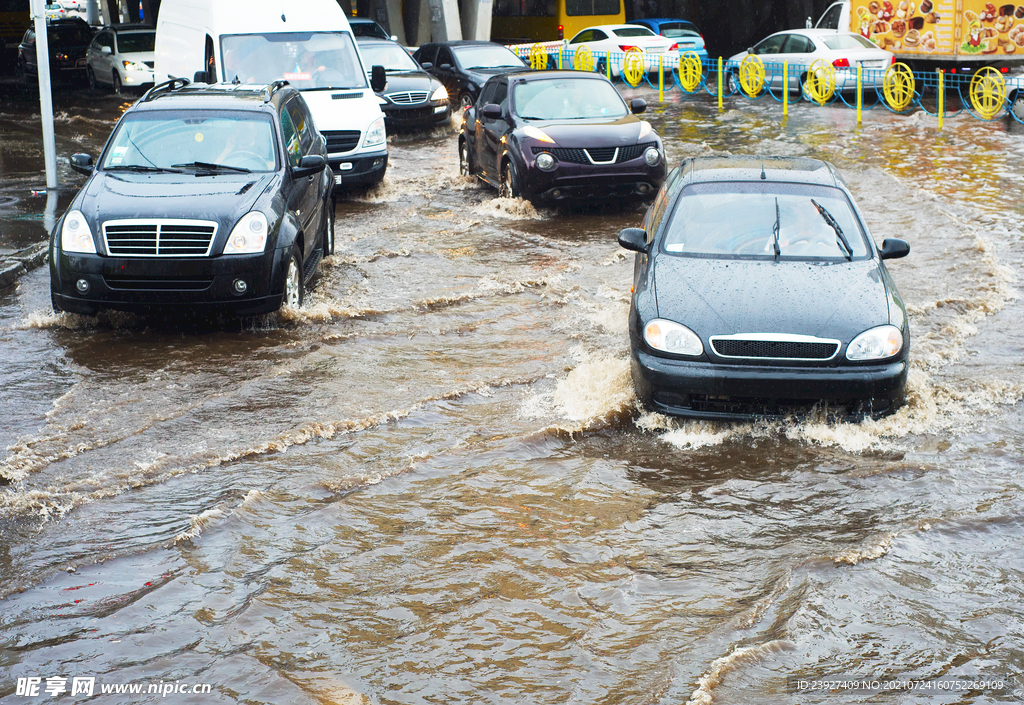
<point>477,138</point>
<point>447,71</point>
<point>296,127</point>
<point>99,60</point>
<point>769,50</point>
<point>492,133</point>
<point>798,51</point>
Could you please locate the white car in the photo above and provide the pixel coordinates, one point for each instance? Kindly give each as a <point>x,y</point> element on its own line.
<point>845,51</point>
<point>121,56</point>
<point>617,39</point>
<point>55,11</point>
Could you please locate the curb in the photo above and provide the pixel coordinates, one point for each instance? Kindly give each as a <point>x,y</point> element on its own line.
<point>12,267</point>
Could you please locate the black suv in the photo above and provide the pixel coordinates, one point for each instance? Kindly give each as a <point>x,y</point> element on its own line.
<point>68,40</point>
<point>204,197</point>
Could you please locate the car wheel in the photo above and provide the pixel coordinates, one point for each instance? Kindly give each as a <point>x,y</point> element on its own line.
<point>117,83</point>
<point>509,180</point>
<point>465,166</point>
<point>91,78</point>
<point>1017,106</point>
<point>803,90</point>
<point>294,287</point>
<point>465,100</point>
<point>328,239</point>
<point>19,69</point>
<point>601,67</point>
<point>732,84</point>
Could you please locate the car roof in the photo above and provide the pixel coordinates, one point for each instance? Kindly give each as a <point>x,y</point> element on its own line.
<point>660,20</point>
<point>612,27</point>
<point>376,40</point>
<point>218,96</point>
<point>468,42</point>
<point>800,170</point>
<point>527,75</point>
<point>130,28</point>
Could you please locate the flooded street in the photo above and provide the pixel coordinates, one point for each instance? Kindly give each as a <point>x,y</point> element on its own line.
<point>432,484</point>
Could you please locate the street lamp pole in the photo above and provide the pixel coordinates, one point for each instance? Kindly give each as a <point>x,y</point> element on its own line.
<point>45,97</point>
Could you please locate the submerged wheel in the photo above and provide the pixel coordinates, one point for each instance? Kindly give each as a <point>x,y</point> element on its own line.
<point>465,100</point>
<point>117,83</point>
<point>91,77</point>
<point>509,180</point>
<point>465,168</point>
<point>294,288</point>
<point>732,84</point>
<point>328,239</point>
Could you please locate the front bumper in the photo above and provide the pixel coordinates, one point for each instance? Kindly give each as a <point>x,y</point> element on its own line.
<point>728,392</point>
<point>588,181</point>
<point>137,79</point>
<point>424,115</point>
<point>363,169</point>
<point>182,285</point>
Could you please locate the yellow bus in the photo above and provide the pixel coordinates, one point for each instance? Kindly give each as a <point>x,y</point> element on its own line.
<point>14,20</point>
<point>521,21</point>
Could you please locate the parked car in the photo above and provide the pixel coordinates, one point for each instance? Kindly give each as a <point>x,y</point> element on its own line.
<point>412,98</point>
<point>121,56</point>
<point>684,33</point>
<point>615,40</point>
<point>464,66</point>
<point>802,47</point>
<point>214,197</point>
<point>556,135</point>
<point>365,27</point>
<point>68,40</point>
<point>758,291</point>
<point>54,11</point>
<point>1015,93</point>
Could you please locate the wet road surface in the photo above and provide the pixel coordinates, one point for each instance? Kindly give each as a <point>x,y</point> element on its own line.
<point>431,484</point>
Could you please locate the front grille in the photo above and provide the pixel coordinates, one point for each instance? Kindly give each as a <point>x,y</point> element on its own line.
<point>782,349</point>
<point>148,64</point>
<point>159,238</point>
<point>839,409</point>
<point>341,140</point>
<point>408,97</point>
<point>161,284</point>
<point>574,155</point>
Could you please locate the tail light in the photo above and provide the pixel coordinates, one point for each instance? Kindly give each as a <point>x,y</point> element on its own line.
<point>561,31</point>
<point>626,47</point>
<point>1005,69</point>
<point>674,47</point>
<point>892,62</point>
<point>841,63</point>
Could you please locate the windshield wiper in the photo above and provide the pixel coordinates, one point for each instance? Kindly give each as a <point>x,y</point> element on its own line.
<point>827,217</point>
<point>216,167</point>
<point>775,229</point>
<point>142,168</point>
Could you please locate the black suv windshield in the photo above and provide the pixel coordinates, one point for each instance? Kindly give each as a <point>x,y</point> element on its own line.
<point>170,139</point>
<point>568,99</point>
<point>740,219</point>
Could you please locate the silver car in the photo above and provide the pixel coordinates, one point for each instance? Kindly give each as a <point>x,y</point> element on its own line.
<point>121,57</point>
<point>845,51</point>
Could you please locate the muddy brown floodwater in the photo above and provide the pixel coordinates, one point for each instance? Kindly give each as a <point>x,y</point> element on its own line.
<point>432,484</point>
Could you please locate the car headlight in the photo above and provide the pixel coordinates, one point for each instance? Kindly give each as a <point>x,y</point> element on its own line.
<point>652,156</point>
<point>671,337</point>
<point>132,66</point>
<point>545,162</point>
<point>249,236</point>
<point>440,94</point>
<point>875,344</point>
<point>645,129</point>
<point>537,134</point>
<point>75,235</point>
<point>376,134</point>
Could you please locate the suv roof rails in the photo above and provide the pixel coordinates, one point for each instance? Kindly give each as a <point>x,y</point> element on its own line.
<point>164,87</point>
<point>273,88</point>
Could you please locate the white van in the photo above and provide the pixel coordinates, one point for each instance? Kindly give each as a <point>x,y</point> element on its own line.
<point>307,43</point>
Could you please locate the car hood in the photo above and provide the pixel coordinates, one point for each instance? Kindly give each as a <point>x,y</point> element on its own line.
<point>480,76</point>
<point>608,132</point>
<point>410,81</point>
<point>139,56</point>
<point>223,198</point>
<point>724,297</point>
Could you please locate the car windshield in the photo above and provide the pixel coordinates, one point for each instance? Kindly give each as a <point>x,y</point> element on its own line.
<point>69,37</point>
<point>135,42</point>
<point>841,42</point>
<point>678,29</point>
<point>567,99</point>
<point>486,57</point>
<point>739,220</point>
<point>633,32</point>
<point>368,29</point>
<point>149,140</point>
<point>307,60</point>
<point>391,56</point>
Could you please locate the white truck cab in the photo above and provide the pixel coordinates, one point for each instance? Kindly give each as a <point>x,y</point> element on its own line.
<point>309,44</point>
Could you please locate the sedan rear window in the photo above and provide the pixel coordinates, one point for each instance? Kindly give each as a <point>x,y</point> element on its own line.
<point>175,139</point>
<point>677,29</point>
<point>741,219</point>
<point>841,42</point>
<point>633,32</point>
<point>567,99</point>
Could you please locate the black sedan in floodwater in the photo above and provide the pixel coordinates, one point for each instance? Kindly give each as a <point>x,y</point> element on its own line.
<point>205,197</point>
<point>464,66</point>
<point>412,97</point>
<point>557,135</point>
<point>758,291</point>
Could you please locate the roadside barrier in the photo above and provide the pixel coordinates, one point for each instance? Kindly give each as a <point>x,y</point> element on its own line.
<point>988,94</point>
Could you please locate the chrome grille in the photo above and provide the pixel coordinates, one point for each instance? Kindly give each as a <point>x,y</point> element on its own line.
<point>575,155</point>
<point>407,97</point>
<point>159,238</point>
<point>760,346</point>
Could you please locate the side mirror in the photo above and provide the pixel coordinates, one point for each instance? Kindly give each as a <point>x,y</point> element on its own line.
<point>378,79</point>
<point>394,37</point>
<point>82,163</point>
<point>491,111</point>
<point>638,105</point>
<point>309,165</point>
<point>633,239</point>
<point>106,50</point>
<point>427,65</point>
<point>200,77</point>
<point>445,67</point>
<point>894,248</point>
